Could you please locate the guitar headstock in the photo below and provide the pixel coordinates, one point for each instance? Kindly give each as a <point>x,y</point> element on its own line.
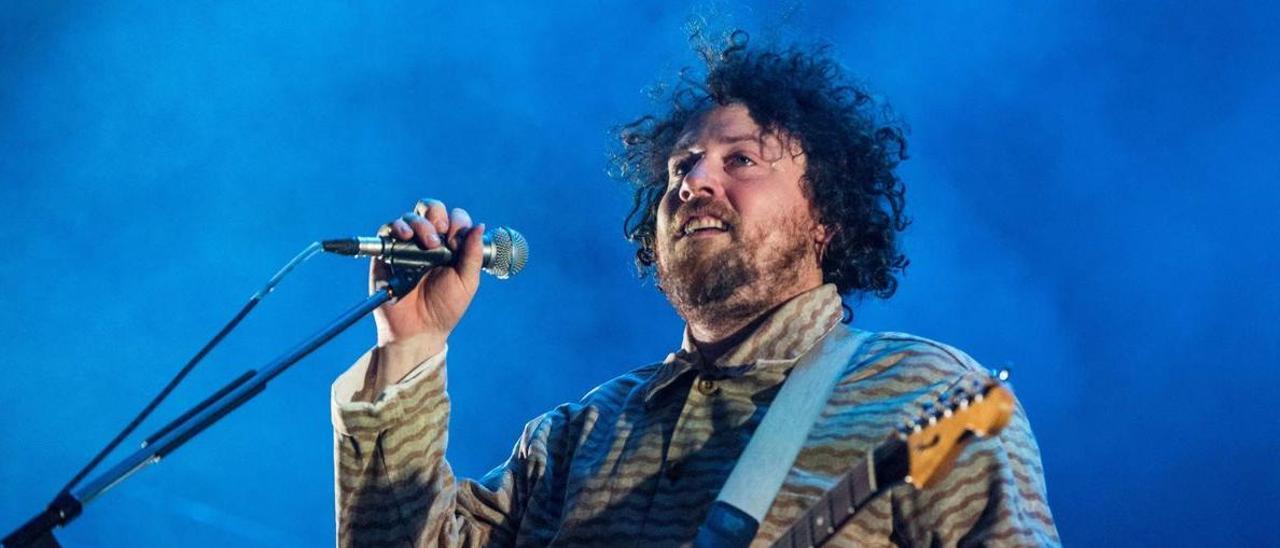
<point>935,439</point>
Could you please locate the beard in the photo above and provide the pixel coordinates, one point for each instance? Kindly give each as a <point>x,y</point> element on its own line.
<point>710,282</point>
<point>695,280</point>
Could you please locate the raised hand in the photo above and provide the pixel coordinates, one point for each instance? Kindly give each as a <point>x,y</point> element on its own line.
<point>430,311</point>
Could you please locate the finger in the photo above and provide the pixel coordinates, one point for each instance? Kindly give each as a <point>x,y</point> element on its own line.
<point>400,230</point>
<point>459,222</point>
<point>472,258</point>
<point>434,212</point>
<point>384,231</point>
<point>424,231</point>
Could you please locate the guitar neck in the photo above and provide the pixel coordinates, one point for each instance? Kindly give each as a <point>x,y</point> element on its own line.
<point>882,468</point>
<point>920,453</point>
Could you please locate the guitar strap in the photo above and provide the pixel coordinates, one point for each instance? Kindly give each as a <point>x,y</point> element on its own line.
<point>744,500</point>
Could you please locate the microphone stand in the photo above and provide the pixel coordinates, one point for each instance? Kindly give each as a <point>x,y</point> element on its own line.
<point>38,531</point>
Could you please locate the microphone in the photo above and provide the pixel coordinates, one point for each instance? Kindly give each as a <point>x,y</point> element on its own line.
<point>505,252</point>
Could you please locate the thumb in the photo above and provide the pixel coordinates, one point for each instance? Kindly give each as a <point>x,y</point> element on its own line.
<point>472,258</point>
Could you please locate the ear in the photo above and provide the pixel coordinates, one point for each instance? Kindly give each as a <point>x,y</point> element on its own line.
<point>822,236</point>
<point>820,233</point>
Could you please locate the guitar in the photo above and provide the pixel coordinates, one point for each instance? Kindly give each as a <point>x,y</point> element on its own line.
<point>919,454</point>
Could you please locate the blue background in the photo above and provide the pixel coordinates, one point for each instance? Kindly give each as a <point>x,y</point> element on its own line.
<point>1094,189</point>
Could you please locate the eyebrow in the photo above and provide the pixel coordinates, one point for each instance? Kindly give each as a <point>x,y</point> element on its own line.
<point>683,144</point>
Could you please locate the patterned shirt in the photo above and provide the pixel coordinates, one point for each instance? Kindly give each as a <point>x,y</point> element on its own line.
<point>639,459</point>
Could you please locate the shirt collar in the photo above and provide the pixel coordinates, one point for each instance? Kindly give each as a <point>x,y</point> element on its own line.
<point>788,333</point>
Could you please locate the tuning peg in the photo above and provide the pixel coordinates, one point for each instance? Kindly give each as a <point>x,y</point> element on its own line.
<point>909,426</point>
<point>927,413</point>
<point>918,425</point>
<point>947,402</point>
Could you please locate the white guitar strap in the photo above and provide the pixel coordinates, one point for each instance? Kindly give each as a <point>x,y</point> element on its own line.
<point>756,479</point>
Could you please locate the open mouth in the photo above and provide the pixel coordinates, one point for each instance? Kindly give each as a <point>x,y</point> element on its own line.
<point>704,226</point>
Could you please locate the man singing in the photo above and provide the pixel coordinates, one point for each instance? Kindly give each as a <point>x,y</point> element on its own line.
<point>762,197</point>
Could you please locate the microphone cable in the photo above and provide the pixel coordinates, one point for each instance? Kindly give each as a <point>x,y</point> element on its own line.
<point>270,286</point>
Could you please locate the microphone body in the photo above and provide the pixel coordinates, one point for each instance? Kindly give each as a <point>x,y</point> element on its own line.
<point>505,252</point>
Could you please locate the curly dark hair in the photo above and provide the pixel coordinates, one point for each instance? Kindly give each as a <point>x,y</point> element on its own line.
<point>852,144</point>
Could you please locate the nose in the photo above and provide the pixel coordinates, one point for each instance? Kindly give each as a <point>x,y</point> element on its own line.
<point>699,180</point>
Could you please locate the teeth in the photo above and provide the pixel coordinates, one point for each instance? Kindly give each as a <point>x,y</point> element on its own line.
<point>703,222</point>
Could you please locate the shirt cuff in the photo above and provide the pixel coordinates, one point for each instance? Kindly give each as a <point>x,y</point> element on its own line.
<point>359,378</point>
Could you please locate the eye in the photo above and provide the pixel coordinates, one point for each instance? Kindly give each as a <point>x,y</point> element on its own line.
<point>740,160</point>
<point>683,165</point>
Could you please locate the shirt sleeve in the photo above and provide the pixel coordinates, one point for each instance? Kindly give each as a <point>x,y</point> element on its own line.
<point>994,495</point>
<point>393,486</point>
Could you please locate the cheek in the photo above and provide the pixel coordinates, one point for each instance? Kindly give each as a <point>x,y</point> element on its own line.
<point>768,212</point>
<point>750,203</point>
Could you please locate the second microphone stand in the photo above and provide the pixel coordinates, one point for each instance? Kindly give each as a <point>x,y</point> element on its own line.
<point>38,531</point>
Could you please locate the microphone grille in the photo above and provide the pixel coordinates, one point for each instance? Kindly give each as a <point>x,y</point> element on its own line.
<point>510,253</point>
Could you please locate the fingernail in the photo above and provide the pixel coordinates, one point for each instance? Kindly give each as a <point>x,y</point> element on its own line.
<point>432,239</point>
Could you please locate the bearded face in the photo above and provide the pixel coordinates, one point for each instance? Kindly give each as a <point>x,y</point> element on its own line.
<point>698,275</point>
<point>735,231</point>
<point>729,276</point>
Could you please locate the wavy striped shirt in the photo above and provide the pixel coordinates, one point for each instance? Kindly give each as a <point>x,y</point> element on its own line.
<point>639,459</point>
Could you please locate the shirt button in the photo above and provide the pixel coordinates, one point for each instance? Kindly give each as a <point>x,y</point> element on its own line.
<point>707,387</point>
<point>673,472</point>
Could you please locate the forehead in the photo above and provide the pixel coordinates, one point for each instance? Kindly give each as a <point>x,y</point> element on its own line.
<point>727,123</point>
